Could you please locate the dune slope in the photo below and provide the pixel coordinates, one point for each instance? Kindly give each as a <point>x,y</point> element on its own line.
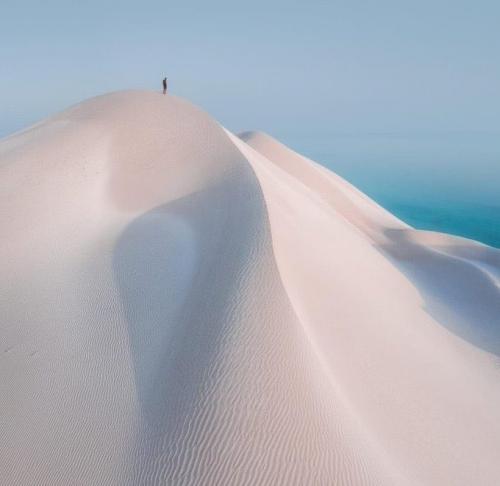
<point>180,305</point>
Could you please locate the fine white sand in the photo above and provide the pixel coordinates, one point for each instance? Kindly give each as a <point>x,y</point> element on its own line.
<point>183,306</point>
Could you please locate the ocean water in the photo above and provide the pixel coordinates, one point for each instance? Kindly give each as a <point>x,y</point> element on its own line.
<point>440,182</point>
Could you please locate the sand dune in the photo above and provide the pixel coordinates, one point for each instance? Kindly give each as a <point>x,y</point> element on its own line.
<point>183,306</point>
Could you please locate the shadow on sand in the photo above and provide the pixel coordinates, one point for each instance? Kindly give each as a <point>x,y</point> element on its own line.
<point>177,268</point>
<point>457,293</point>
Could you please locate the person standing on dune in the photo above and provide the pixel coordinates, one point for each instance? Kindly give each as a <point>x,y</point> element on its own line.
<point>164,85</point>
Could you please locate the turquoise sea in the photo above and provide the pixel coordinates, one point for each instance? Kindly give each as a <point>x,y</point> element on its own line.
<point>441,182</point>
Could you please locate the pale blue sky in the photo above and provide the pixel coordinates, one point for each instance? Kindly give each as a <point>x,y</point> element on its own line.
<point>284,67</point>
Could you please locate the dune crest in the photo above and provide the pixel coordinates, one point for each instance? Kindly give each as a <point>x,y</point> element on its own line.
<point>181,305</point>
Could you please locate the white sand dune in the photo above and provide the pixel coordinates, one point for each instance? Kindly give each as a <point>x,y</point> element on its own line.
<point>183,306</point>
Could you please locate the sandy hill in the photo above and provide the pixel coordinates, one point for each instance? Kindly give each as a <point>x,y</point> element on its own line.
<point>182,306</point>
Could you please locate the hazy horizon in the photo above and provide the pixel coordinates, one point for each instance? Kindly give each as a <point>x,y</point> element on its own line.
<point>446,183</point>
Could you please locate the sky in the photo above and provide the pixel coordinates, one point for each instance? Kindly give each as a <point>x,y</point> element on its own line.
<point>285,67</point>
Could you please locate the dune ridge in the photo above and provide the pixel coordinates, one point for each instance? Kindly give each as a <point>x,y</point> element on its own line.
<point>182,305</point>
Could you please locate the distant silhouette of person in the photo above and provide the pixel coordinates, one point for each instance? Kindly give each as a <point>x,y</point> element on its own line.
<point>164,85</point>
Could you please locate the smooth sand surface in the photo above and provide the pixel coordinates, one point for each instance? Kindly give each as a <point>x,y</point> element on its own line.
<point>183,306</point>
